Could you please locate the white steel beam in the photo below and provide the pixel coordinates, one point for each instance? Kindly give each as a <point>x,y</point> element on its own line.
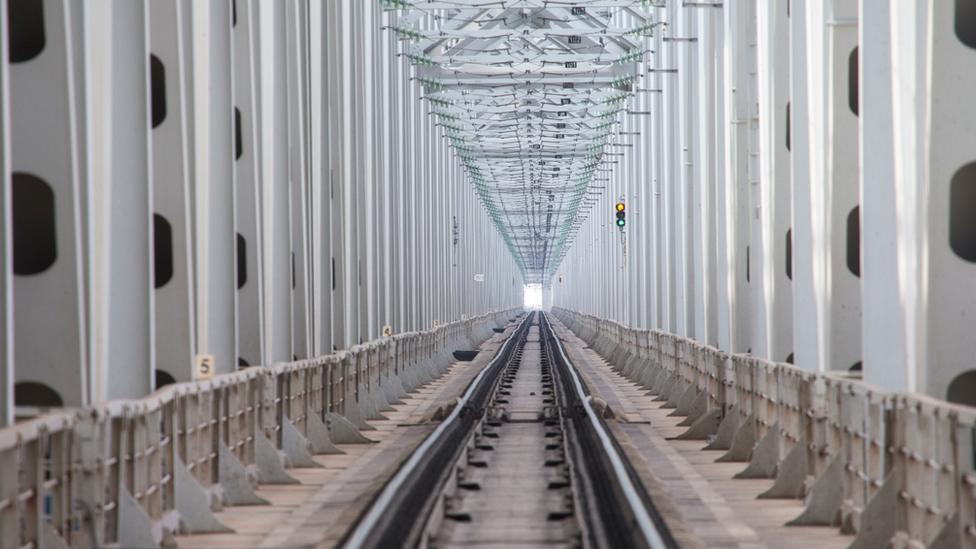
<point>882,310</point>
<point>123,358</point>
<point>775,216</point>
<point>247,185</point>
<point>172,220</point>
<point>215,231</point>
<point>50,172</point>
<point>6,238</point>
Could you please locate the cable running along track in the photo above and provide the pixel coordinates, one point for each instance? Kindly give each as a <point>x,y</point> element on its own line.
<point>523,460</point>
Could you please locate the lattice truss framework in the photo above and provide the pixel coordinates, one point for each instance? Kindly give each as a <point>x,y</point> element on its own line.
<point>530,94</point>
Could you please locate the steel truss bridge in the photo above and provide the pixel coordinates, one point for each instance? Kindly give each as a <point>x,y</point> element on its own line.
<point>530,96</point>
<point>247,243</point>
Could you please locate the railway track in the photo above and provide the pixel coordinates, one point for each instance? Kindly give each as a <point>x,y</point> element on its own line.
<point>523,460</point>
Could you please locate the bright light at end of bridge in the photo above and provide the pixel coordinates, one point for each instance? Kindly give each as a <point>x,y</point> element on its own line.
<point>533,296</point>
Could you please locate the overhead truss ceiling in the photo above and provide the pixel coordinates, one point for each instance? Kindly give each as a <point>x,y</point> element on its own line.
<point>529,93</point>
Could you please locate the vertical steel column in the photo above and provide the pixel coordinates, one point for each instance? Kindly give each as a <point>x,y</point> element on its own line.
<point>415,314</point>
<point>121,202</point>
<point>359,122</point>
<point>214,179</point>
<point>938,182</point>
<point>322,81</point>
<point>755,256</point>
<point>689,214</point>
<point>881,308</point>
<point>422,213</point>
<point>6,237</point>
<point>275,195</point>
<point>643,191</point>
<point>806,352</point>
<point>49,89</point>
<point>364,213</point>
<point>296,89</point>
<point>709,97</point>
<point>387,85</point>
<point>247,177</point>
<point>721,211</point>
<point>170,76</point>
<point>774,179</point>
<point>637,246</point>
<point>670,190</point>
<point>910,67</point>
<point>339,48</point>
<point>397,268</point>
<point>381,154</point>
<point>832,39</point>
<point>735,194</point>
<point>658,195</point>
<point>439,223</point>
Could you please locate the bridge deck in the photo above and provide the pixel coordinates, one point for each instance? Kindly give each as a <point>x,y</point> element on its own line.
<point>318,511</point>
<point>328,493</point>
<point>703,505</point>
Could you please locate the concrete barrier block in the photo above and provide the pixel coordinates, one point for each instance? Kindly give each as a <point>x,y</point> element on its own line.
<point>389,392</point>
<point>825,498</point>
<point>367,406</point>
<point>742,442</point>
<point>677,391</point>
<point>696,410</point>
<point>765,456</point>
<point>318,435</point>
<point>343,431</point>
<point>791,474</point>
<point>705,426</point>
<point>49,537</point>
<point>193,504</point>
<point>234,481</point>
<point>296,447</point>
<point>135,526</point>
<point>726,430</point>
<point>378,395</point>
<point>877,521</point>
<point>271,467</point>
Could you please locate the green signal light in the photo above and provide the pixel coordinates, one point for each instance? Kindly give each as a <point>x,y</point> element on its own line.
<point>621,222</point>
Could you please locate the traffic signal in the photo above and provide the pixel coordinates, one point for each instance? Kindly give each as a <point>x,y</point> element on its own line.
<point>621,214</point>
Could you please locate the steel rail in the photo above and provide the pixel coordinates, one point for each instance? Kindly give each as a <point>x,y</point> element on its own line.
<point>656,537</point>
<point>613,508</point>
<point>365,533</point>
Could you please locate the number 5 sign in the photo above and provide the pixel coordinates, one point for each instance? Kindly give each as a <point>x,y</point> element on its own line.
<point>204,367</point>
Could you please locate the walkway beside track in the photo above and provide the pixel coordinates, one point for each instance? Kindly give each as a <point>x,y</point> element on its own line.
<point>703,505</point>
<point>320,510</point>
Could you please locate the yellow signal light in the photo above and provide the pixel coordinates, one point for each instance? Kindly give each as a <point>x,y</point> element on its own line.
<point>620,206</point>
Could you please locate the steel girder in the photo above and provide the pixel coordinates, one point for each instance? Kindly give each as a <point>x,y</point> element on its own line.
<point>529,95</point>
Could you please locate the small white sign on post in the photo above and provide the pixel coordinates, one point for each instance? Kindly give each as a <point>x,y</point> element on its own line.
<point>464,316</point>
<point>204,367</point>
<point>387,331</point>
<point>437,323</point>
<point>479,278</point>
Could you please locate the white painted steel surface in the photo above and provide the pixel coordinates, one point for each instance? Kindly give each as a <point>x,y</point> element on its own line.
<point>314,156</point>
<point>203,200</point>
